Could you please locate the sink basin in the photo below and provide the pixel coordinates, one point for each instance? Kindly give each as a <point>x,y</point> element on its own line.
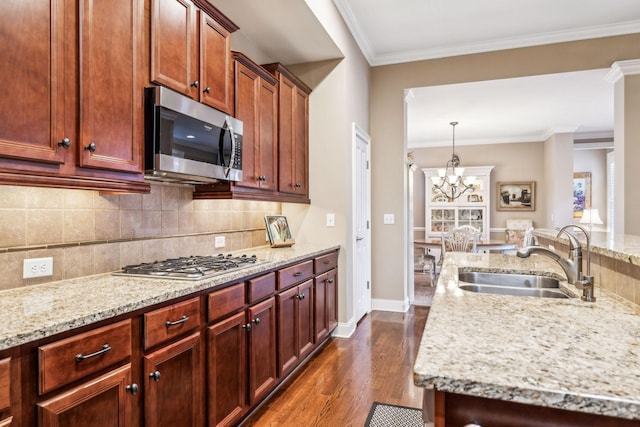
<point>511,284</point>
<point>512,280</point>
<point>507,290</point>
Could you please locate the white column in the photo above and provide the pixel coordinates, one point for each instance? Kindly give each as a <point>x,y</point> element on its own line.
<point>625,77</point>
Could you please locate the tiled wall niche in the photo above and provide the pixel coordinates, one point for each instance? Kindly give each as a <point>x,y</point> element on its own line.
<point>90,233</point>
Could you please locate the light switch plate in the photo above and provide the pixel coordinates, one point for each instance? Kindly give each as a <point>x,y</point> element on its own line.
<point>331,220</point>
<point>389,219</point>
<point>219,242</point>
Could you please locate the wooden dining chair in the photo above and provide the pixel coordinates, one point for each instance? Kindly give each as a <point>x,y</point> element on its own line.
<point>461,239</point>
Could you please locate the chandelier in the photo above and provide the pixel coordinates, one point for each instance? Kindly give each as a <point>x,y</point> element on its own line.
<point>450,181</point>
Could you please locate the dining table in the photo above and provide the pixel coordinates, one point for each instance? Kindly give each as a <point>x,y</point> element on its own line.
<point>481,245</point>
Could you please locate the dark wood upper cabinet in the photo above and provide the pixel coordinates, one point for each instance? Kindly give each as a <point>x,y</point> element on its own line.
<point>256,104</point>
<point>293,135</point>
<point>191,51</point>
<point>71,107</point>
<point>110,98</point>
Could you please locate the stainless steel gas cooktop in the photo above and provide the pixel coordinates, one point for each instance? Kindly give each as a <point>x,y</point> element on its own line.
<point>190,268</point>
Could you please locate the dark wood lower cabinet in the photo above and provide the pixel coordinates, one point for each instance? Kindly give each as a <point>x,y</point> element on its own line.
<point>295,326</point>
<point>227,363</point>
<point>455,410</point>
<point>262,349</point>
<point>162,366</point>
<point>326,307</point>
<point>173,385</point>
<point>102,402</point>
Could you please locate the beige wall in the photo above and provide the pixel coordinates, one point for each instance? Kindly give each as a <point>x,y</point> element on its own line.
<point>387,123</point>
<point>512,162</point>
<point>89,233</point>
<point>340,97</point>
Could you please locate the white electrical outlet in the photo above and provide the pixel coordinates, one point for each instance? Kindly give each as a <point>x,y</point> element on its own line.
<point>37,267</point>
<point>389,218</point>
<point>219,242</point>
<point>331,220</point>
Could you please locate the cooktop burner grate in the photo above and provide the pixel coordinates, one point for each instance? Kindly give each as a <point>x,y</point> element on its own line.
<point>190,268</point>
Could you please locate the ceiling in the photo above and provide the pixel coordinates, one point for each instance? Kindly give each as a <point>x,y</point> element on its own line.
<point>388,32</point>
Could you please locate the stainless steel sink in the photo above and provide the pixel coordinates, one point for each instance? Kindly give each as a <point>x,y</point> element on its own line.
<point>511,284</point>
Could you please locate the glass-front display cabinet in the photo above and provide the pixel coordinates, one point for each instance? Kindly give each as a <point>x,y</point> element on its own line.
<point>472,208</point>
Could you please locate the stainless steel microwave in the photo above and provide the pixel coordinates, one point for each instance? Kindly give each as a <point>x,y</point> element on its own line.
<point>189,142</point>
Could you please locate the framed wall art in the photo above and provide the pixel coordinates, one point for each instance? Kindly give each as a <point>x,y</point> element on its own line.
<point>278,231</point>
<point>581,193</point>
<point>516,196</point>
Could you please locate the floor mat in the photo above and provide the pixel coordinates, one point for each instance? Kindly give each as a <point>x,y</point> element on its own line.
<point>385,415</point>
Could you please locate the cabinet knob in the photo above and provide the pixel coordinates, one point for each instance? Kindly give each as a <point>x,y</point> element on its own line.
<point>65,142</point>
<point>207,90</point>
<point>247,327</point>
<point>91,147</point>
<point>330,281</point>
<point>256,320</point>
<point>155,375</point>
<point>297,185</point>
<point>301,296</point>
<point>195,84</point>
<point>132,388</point>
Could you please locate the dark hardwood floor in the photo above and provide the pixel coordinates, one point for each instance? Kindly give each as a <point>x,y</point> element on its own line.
<point>423,291</point>
<point>338,386</point>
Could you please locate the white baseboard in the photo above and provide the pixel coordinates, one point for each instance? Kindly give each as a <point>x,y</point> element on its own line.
<point>345,330</point>
<point>390,305</point>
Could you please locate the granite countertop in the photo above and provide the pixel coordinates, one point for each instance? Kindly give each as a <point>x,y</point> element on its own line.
<point>560,353</point>
<point>624,247</point>
<point>39,311</point>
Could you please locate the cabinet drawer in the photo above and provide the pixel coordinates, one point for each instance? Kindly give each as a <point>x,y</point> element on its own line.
<point>325,262</point>
<point>67,360</point>
<point>170,322</point>
<point>5,400</point>
<point>225,301</point>
<point>262,287</point>
<point>295,274</point>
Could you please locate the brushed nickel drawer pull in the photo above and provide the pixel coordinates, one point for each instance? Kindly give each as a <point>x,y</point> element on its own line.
<point>105,348</point>
<point>183,319</point>
<point>297,274</point>
<point>327,262</point>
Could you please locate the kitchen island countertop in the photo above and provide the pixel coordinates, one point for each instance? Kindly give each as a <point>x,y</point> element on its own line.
<point>560,353</point>
<point>39,311</point>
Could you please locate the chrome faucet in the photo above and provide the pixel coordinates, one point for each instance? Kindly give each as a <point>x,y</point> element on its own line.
<point>572,266</point>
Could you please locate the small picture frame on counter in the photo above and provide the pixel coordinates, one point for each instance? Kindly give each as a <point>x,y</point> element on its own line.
<point>278,231</point>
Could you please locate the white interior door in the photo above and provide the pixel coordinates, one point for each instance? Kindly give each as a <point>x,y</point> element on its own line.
<point>362,228</point>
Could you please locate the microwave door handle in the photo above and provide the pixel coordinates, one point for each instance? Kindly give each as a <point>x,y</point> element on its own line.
<point>232,159</point>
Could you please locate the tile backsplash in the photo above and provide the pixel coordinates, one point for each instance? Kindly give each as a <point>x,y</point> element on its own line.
<point>89,233</point>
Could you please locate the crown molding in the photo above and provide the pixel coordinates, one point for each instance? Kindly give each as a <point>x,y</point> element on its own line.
<point>619,69</point>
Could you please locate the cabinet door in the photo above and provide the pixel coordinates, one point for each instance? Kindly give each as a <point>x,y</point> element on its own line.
<point>320,306</point>
<point>268,131</point>
<point>305,319</point>
<point>216,85</point>
<point>247,90</point>
<point>293,138</point>
<point>174,45</point>
<point>227,378</point>
<point>287,302</point>
<point>32,72</point>
<point>332,300</point>
<point>173,378</point>
<point>262,349</point>
<point>109,92</point>
<point>103,402</point>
